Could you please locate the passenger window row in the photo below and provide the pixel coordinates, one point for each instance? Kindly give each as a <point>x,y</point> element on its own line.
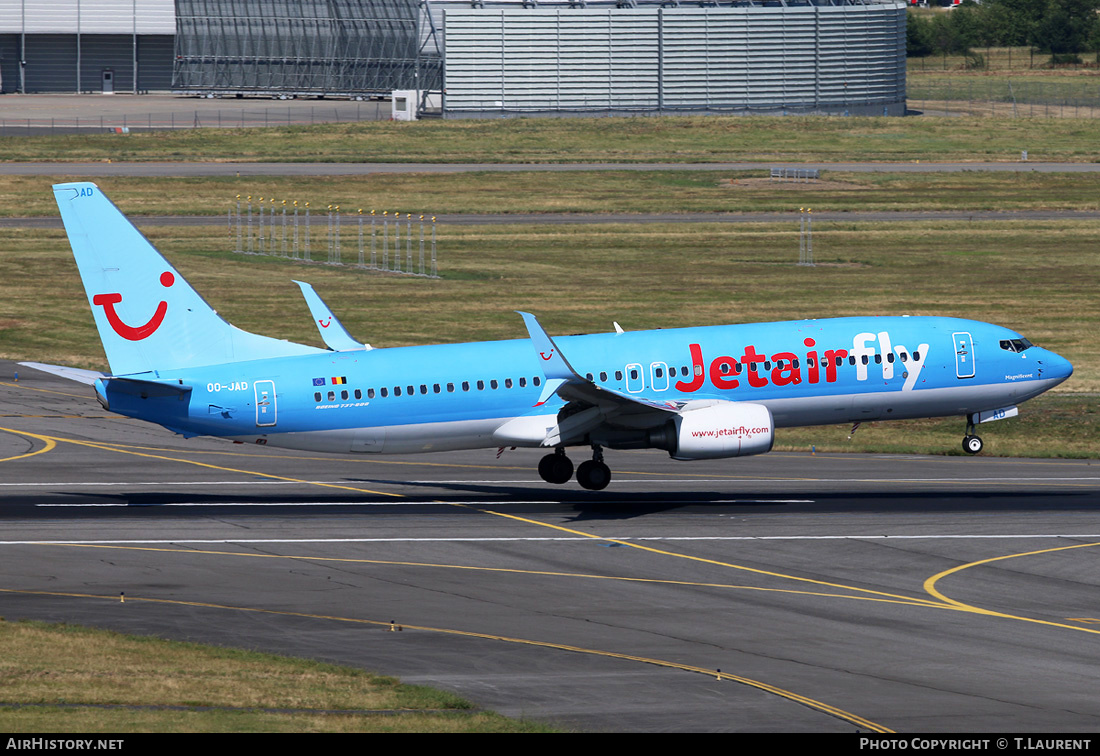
<point>735,367</point>
<point>725,367</point>
<point>434,388</point>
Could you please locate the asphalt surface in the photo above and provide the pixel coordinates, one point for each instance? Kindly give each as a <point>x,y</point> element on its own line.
<point>834,592</point>
<point>23,115</point>
<point>62,171</point>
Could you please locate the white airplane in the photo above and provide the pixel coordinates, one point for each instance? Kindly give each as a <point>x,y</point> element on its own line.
<point>697,393</point>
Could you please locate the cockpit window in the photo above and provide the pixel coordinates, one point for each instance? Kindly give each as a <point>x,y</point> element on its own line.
<point>1015,345</point>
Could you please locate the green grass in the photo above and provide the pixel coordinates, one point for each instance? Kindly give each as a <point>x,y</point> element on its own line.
<point>114,683</point>
<point>1052,425</point>
<point>575,192</point>
<point>564,140</point>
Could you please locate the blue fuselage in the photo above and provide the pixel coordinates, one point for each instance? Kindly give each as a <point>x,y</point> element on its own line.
<point>452,396</point>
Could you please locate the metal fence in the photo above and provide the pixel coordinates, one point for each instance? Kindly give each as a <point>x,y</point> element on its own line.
<point>1014,97</point>
<point>802,175</point>
<point>299,114</point>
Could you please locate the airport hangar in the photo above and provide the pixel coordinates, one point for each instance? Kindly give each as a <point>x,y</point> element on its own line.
<point>480,58</point>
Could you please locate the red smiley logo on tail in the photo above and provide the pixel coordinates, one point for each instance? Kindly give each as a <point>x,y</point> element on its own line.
<point>131,333</point>
<point>325,323</point>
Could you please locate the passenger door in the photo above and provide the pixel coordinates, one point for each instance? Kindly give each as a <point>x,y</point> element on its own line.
<point>266,409</point>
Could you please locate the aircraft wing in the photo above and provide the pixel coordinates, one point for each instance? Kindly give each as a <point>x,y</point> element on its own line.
<point>599,395</point>
<point>332,331</point>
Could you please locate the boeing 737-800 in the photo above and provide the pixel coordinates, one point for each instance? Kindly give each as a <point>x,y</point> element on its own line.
<point>697,393</point>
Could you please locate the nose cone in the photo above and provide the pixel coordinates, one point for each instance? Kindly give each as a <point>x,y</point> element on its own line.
<point>1055,366</point>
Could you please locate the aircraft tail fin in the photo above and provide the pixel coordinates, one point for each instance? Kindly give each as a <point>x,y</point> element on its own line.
<point>148,316</point>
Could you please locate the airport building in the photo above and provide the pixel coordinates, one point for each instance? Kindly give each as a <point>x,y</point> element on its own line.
<point>86,45</point>
<point>483,58</point>
<point>739,56</point>
<point>305,47</point>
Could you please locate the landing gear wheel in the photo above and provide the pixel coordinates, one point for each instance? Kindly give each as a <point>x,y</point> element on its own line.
<point>555,468</point>
<point>593,475</point>
<point>972,444</point>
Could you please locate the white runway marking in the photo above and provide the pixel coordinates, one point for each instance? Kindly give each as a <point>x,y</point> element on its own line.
<point>580,539</point>
<point>498,481</point>
<point>255,504</point>
<point>381,503</point>
<point>71,484</point>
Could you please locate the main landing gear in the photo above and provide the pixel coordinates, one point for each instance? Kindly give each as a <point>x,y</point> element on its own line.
<point>972,444</point>
<point>593,474</point>
<point>556,467</point>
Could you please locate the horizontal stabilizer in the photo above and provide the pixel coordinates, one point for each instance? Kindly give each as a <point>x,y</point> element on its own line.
<point>87,377</point>
<point>146,389</point>
<point>161,402</point>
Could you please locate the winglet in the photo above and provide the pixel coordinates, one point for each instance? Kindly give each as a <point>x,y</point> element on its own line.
<point>332,331</point>
<point>554,364</point>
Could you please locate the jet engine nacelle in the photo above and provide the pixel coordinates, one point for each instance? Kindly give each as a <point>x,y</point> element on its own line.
<point>721,429</point>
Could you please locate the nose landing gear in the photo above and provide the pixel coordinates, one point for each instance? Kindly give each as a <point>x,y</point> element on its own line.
<point>972,444</point>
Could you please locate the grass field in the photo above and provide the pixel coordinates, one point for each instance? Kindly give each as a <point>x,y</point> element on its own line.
<point>566,140</point>
<point>66,679</point>
<point>578,192</point>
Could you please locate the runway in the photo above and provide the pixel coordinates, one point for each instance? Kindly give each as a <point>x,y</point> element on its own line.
<point>787,592</point>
